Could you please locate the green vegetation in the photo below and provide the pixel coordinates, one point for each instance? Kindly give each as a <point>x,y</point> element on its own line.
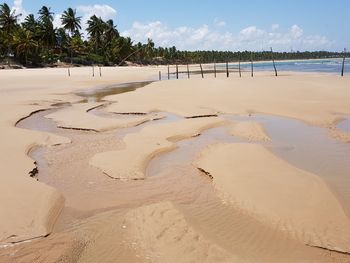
<point>36,42</point>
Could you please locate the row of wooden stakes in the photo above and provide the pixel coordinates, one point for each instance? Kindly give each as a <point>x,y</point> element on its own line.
<point>93,71</point>
<point>213,70</point>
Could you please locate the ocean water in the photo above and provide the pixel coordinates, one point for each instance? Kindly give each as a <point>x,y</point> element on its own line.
<point>324,65</point>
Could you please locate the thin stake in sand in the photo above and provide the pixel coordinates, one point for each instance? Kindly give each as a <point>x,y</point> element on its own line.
<point>343,64</point>
<point>214,69</point>
<point>200,65</point>
<point>227,73</point>
<point>251,64</point>
<point>273,62</point>
<point>168,72</point>
<point>239,66</point>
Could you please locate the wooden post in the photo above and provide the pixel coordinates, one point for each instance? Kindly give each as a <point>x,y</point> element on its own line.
<point>251,64</point>
<point>273,62</point>
<point>100,71</point>
<point>177,71</point>
<point>188,71</point>
<point>160,76</point>
<point>93,71</point>
<point>68,72</point>
<point>227,73</point>
<point>214,69</point>
<point>343,65</point>
<point>201,70</point>
<point>239,66</point>
<point>168,73</point>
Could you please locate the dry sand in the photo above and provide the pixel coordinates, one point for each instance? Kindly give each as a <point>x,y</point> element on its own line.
<point>162,233</point>
<point>152,233</point>
<point>298,202</point>
<point>30,208</point>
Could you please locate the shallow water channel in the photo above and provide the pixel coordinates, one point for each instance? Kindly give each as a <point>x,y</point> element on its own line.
<point>98,94</point>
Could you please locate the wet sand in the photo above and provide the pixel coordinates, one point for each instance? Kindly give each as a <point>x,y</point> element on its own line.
<point>176,213</point>
<point>344,125</point>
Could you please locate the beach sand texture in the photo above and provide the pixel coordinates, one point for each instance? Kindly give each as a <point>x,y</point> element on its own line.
<point>250,130</point>
<point>298,202</point>
<point>317,100</point>
<point>77,117</point>
<point>151,141</point>
<point>33,210</point>
<point>247,177</point>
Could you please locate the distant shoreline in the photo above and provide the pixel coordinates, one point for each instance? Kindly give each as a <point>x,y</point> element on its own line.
<point>4,66</point>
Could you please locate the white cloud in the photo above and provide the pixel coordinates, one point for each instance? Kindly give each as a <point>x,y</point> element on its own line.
<point>86,11</point>
<point>251,33</point>
<point>182,37</point>
<point>104,11</point>
<point>203,37</point>
<point>18,8</point>
<point>249,38</point>
<point>296,31</point>
<point>218,22</point>
<point>275,27</point>
<point>57,20</point>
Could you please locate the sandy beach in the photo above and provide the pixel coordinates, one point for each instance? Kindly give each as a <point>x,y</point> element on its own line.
<point>188,170</point>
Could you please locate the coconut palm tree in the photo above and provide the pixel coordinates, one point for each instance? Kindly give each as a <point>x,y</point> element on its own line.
<point>47,31</point>
<point>30,23</point>
<point>126,49</point>
<point>45,14</point>
<point>110,30</point>
<point>70,21</point>
<point>62,38</point>
<point>95,28</point>
<point>8,25</point>
<point>109,39</point>
<point>8,18</point>
<point>24,43</point>
<point>149,48</point>
<point>77,44</point>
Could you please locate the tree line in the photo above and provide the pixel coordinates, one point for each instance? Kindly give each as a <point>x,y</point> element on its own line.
<point>37,42</point>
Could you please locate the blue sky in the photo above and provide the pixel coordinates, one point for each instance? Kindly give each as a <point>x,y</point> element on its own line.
<point>219,24</point>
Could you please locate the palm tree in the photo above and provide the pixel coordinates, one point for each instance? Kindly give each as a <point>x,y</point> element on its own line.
<point>110,38</point>
<point>110,30</point>
<point>8,18</point>
<point>96,27</point>
<point>8,25</point>
<point>149,48</point>
<point>45,14</point>
<point>77,44</point>
<point>24,43</point>
<point>30,23</point>
<point>126,49</point>
<point>47,31</point>
<point>63,41</point>
<point>70,21</point>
